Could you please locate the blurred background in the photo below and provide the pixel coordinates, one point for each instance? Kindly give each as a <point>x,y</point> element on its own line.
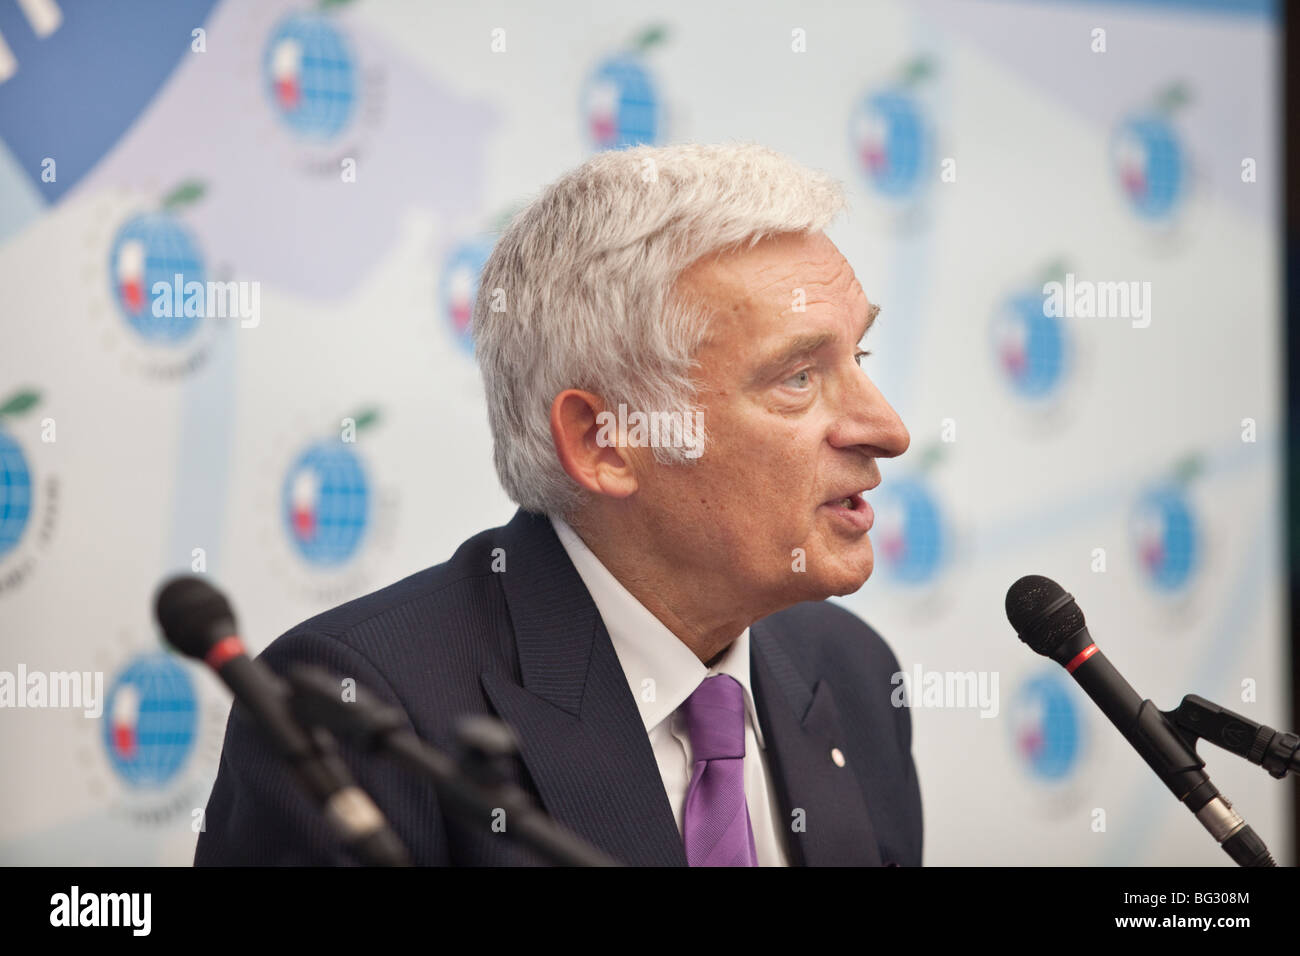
<point>347,166</point>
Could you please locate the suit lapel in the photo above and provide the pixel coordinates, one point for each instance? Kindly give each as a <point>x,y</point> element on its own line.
<point>800,728</point>
<point>581,736</point>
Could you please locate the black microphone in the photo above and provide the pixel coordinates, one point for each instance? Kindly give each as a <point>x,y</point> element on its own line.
<point>1046,618</point>
<point>197,620</point>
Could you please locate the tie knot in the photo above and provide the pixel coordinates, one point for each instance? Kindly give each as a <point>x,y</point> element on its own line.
<point>715,717</point>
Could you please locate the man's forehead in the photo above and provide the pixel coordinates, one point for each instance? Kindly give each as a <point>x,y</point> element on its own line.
<point>778,277</point>
<point>752,314</point>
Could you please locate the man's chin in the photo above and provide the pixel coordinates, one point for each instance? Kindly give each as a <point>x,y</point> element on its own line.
<point>850,585</point>
<point>848,575</point>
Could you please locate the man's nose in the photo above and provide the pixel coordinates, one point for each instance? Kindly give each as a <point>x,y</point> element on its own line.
<point>867,419</point>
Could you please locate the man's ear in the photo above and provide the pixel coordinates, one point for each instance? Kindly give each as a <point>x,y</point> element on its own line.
<point>587,441</point>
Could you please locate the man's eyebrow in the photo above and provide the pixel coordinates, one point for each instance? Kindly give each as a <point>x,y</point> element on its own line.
<point>792,349</point>
<point>804,344</point>
<point>873,310</point>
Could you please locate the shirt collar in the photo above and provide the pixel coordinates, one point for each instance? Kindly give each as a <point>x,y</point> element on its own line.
<point>661,671</point>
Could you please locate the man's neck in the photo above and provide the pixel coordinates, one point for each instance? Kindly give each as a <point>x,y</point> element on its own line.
<point>690,609</point>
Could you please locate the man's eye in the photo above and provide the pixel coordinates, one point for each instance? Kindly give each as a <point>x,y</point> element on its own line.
<point>801,379</point>
<point>861,354</point>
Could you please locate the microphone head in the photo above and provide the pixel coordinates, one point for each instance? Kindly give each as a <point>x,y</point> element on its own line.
<point>193,615</point>
<point>1043,613</point>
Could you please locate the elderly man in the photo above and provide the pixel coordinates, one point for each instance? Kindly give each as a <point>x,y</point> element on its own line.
<point>672,356</point>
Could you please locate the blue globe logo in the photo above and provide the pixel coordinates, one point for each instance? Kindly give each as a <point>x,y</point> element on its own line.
<point>891,142</point>
<point>1150,164</point>
<point>311,76</point>
<point>458,287</point>
<point>910,534</point>
<point>152,719</point>
<point>326,503</point>
<point>1046,729</point>
<point>1029,347</point>
<point>1166,537</point>
<point>151,248</point>
<point>619,104</point>
<point>15,493</point>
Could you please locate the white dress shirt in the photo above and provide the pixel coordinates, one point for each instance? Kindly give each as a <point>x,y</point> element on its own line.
<point>662,672</point>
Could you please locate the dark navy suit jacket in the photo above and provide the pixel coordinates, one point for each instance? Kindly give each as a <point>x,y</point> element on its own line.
<point>528,646</point>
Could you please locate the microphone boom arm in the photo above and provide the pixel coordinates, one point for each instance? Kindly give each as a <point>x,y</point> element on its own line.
<point>1275,751</point>
<point>471,789</point>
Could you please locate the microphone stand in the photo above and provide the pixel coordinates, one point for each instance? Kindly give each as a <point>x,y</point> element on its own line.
<point>474,788</point>
<point>1196,718</point>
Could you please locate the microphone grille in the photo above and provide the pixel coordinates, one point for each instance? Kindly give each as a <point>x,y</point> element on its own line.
<point>1043,613</point>
<point>193,614</point>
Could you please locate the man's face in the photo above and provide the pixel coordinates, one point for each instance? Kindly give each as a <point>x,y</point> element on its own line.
<point>795,426</point>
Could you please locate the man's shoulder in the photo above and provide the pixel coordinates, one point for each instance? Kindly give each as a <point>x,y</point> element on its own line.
<point>403,618</point>
<point>467,569</point>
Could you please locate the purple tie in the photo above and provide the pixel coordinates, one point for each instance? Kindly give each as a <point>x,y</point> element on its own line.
<point>715,826</point>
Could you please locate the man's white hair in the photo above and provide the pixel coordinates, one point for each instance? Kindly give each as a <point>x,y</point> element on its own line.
<point>579,290</point>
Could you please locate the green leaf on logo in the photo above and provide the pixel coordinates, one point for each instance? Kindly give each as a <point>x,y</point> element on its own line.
<point>19,402</point>
<point>186,194</point>
<point>1175,96</point>
<point>917,69</point>
<point>930,456</point>
<point>366,417</point>
<point>650,37</point>
<point>1054,271</point>
<point>1188,468</point>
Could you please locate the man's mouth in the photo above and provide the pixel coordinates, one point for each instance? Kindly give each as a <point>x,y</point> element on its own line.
<point>853,510</point>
